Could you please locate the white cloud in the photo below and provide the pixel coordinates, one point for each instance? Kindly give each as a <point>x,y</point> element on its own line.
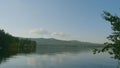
<point>48,34</point>
<point>58,34</point>
<point>39,31</point>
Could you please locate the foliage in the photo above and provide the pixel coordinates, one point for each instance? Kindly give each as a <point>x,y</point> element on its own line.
<point>7,41</point>
<point>112,47</point>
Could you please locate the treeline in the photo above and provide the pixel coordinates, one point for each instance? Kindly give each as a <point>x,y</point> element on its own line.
<point>9,41</point>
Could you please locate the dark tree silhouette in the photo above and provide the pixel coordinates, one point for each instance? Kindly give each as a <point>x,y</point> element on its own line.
<point>112,47</point>
<point>8,41</point>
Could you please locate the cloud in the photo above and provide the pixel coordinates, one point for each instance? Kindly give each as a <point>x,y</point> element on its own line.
<point>39,31</point>
<point>48,34</point>
<point>58,34</point>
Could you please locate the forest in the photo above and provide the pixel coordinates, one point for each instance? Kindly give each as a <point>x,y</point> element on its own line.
<point>8,41</point>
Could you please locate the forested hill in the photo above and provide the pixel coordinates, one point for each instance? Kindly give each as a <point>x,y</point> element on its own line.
<point>7,41</point>
<point>52,41</point>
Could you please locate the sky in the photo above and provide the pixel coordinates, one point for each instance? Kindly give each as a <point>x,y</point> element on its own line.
<point>61,19</point>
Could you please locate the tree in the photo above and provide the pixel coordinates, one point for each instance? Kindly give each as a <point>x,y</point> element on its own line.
<point>112,47</point>
<point>8,41</point>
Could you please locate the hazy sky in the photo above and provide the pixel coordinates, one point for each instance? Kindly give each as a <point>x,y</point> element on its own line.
<point>61,19</point>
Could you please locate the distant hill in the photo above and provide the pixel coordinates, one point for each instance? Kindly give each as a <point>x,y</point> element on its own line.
<point>52,41</point>
<point>51,46</point>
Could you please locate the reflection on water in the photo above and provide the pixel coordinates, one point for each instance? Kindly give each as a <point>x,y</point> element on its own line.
<point>11,51</point>
<point>54,57</point>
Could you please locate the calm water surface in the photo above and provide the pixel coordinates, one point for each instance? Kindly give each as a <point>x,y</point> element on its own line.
<point>57,59</point>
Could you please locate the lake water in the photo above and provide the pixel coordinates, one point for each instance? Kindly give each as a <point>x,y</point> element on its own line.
<point>50,58</point>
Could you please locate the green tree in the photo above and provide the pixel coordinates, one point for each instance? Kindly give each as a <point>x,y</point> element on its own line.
<point>112,47</point>
<point>8,41</point>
